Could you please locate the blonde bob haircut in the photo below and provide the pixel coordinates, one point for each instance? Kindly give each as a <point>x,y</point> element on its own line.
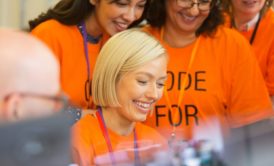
<point>122,53</point>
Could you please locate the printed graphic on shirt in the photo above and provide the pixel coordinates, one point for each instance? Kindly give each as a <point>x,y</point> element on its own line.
<point>188,112</point>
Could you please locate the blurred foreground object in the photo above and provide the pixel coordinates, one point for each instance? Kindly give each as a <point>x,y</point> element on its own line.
<point>29,78</point>
<point>43,142</point>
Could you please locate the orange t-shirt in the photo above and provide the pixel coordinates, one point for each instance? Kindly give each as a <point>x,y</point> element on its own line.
<point>67,44</point>
<point>263,46</point>
<point>89,146</point>
<point>224,84</point>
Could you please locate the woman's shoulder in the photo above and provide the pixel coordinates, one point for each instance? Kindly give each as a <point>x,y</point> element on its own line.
<point>270,13</point>
<point>228,35</point>
<point>223,30</point>
<point>89,120</point>
<point>228,44</point>
<point>269,17</point>
<point>51,25</point>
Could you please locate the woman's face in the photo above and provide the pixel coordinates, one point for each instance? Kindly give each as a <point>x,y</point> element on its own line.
<point>137,91</point>
<point>247,7</point>
<point>184,20</point>
<point>116,15</point>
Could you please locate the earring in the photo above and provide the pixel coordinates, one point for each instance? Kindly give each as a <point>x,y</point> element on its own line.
<point>93,2</point>
<point>267,3</point>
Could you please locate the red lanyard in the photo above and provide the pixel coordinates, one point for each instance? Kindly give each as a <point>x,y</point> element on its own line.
<point>103,127</point>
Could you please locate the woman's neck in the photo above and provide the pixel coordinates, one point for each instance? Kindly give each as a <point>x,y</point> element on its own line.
<point>92,26</point>
<point>176,38</point>
<point>242,19</point>
<point>116,122</point>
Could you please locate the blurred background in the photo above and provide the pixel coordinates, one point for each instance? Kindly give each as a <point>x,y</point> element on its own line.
<point>16,13</point>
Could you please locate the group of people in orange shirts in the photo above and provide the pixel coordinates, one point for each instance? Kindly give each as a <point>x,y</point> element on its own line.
<point>190,61</point>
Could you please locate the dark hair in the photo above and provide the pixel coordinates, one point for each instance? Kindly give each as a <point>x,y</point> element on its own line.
<point>156,17</point>
<point>227,7</point>
<point>267,5</point>
<point>72,12</point>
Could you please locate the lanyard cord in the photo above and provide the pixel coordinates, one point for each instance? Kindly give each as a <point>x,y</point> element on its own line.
<point>105,133</point>
<point>83,30</point>
<point>136,153</point>
<point>255,30</point>
<point>182,90</point>
<point>232,24</point>
<point>103,127</point>
<point>85,37</point>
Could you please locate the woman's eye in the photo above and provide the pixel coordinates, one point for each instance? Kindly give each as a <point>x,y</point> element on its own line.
<point>142,82</point>
<point>121,3</point>
<point>204,1</point>
<point>160,85</point>
<point>142,6</point>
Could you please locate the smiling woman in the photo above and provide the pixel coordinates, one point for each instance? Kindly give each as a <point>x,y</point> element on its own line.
<point>255,21</point>
<point>127,82</point>
<point>75,30</point>
<point>212,73</point>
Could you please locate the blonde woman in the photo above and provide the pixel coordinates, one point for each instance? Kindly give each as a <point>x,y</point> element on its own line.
<point>128,79</point>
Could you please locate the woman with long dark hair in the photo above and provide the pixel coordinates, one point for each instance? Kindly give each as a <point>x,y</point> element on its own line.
<point>75,30</point>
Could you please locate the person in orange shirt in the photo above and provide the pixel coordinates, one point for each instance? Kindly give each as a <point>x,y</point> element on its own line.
<point>128,79</point>
<point>75,31</point>
<point>213,77</point>
<point>29,82</point>
<point>255,21</point>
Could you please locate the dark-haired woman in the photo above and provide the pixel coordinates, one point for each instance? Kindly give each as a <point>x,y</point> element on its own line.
<point>213,77</point>
<point>75,31</point>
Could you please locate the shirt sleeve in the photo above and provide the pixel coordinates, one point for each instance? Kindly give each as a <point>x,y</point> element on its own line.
<point>247,93</point>
<point>270,71</point>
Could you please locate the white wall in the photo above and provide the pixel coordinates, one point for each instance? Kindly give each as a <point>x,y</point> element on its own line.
<point>17,13</point>
<point>9,13</point>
